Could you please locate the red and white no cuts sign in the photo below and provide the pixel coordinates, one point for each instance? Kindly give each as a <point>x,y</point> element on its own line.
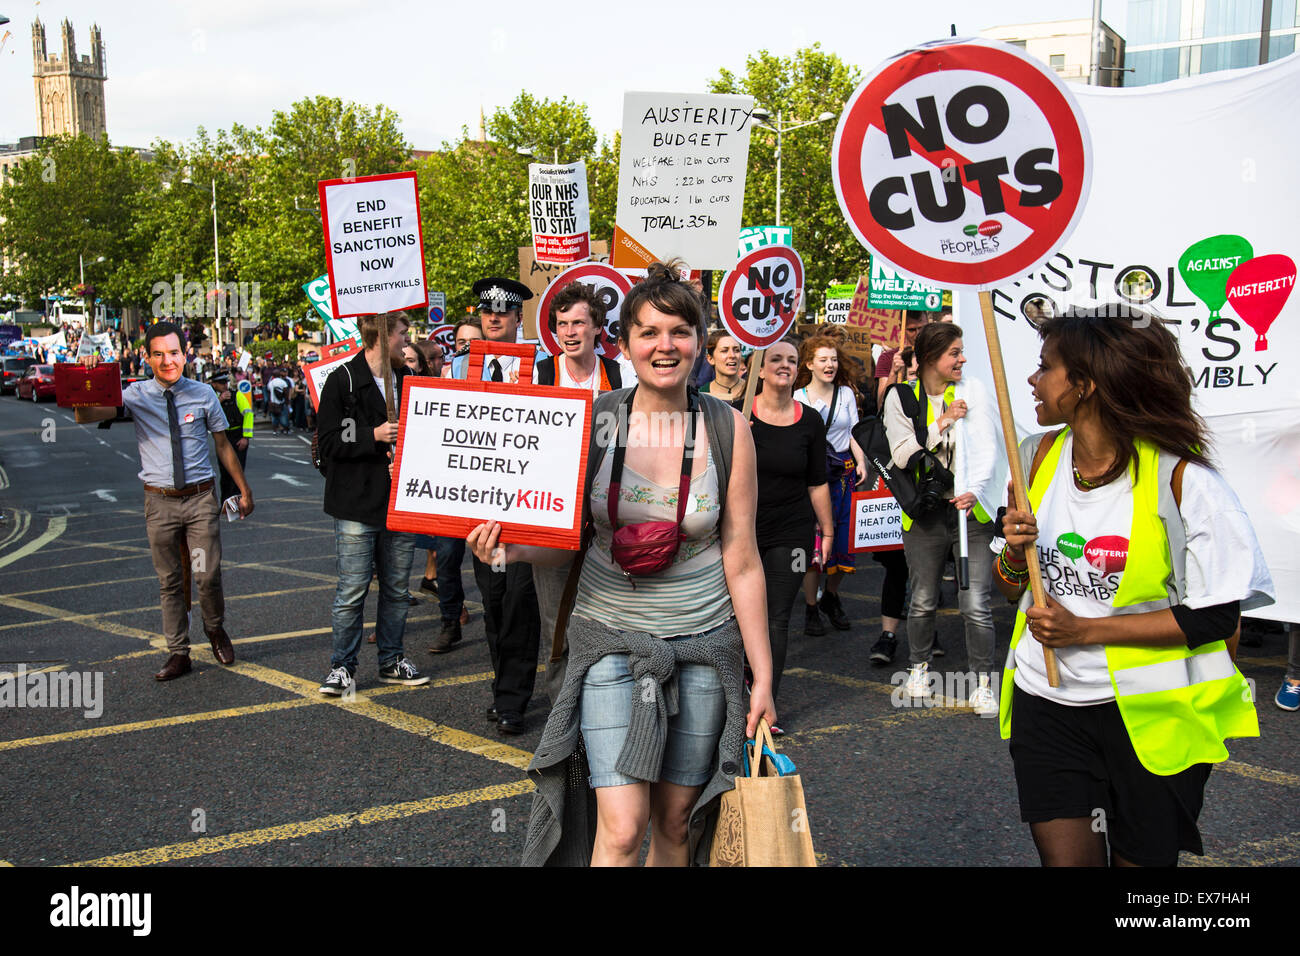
<point>612,287</point>
<point>963,162</point>
<point>445,336</point>
<point>760,297</point>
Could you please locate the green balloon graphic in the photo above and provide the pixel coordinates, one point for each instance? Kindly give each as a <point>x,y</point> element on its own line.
<point>1206,265</point>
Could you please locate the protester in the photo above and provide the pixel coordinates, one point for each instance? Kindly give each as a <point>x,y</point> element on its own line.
<point>793,498</point>
<point>679,627</point>
<point>893,589</point>
<point>930,537</point>
<point>433,357</point>
<point>576,319</point>
<point>826,385</point>
<point>723,354</point>
<point>510,616</point>
<point>467,330</point>
<point>1143,612</point>
<point>173,416</point>
<point>238,409</point>
<point>280,390</point>
<point>356,441</point>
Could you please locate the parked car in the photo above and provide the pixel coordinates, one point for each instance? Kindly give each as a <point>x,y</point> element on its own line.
<point>37,383</point>
<point>14,367</point>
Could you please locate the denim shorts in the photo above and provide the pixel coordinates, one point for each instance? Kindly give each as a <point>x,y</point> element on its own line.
<point>608,696</point>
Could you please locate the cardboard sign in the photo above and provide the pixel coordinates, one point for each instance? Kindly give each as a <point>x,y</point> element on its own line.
<point>612,287</point>
<point>538,275</point>
<point>681,178</point>
<point>473,451</point>
<point>373,245</point>
<point>891,289</point>
<point>317,372</point>
<point>877,521</point>
<point>559,212</point>
<point>318,294</point>
<point>963,162</point>
<point>759,299</point>
<point>81,386</point>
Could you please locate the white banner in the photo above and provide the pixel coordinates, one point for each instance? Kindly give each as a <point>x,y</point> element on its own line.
<point>559,212</point>
<point>1194,218</point>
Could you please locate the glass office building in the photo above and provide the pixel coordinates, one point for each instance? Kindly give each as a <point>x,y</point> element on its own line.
<point>1168,39</point>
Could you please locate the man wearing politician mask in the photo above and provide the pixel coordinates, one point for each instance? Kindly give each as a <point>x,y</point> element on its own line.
<point>510,616</point>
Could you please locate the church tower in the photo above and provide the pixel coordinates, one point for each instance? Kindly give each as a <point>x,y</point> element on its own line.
<point>69,90</point>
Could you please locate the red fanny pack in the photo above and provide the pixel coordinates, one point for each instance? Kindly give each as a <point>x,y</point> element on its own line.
<point>650,546</point>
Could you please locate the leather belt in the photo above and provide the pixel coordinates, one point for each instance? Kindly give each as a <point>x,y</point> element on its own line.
<point>189,491</point>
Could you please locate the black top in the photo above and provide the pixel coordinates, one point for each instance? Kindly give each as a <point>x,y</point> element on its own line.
<point>791,459</point>
<point>356,470</point>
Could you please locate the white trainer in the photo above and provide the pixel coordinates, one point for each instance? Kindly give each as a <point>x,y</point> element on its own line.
<point>982,701</point>
<point>918,681</point>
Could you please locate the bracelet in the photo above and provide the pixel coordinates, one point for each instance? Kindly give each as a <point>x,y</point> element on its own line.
<point>1015,564</point>
<point>1016,583</point>
<point>1010,574</point>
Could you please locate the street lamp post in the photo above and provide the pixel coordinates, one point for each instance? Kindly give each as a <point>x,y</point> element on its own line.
<point>528,151</point>
<point>764,121</point>
<point>217,343</point>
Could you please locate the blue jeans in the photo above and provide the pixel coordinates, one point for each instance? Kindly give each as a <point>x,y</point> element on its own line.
<point>450,554</point>
<point>608,696</point>
<point>363,551</point>
<point>280,417</point>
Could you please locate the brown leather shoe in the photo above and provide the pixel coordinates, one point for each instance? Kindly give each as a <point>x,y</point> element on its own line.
<point>222,649</point>
<point>177,665</point>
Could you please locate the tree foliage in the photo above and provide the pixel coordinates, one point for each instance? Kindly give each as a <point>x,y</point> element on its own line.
<point>801,87</point>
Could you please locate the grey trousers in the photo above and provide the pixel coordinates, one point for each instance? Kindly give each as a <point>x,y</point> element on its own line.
<point>927,544</point>
<point>175,524</point>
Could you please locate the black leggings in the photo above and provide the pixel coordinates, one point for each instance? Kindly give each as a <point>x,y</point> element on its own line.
<point>894,589</point>
<point>783,583</point>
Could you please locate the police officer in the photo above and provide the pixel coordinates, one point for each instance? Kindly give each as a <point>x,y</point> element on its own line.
<point>510,615</point>
<point>238,405</point>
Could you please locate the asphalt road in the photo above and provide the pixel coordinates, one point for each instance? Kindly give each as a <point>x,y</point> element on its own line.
<point>250,765</point>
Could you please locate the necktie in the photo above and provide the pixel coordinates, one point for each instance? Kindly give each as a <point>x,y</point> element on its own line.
<point>495,368</point>
<point>174,426</point>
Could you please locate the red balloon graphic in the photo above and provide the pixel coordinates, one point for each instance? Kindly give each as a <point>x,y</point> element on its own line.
<point>1258,288</point>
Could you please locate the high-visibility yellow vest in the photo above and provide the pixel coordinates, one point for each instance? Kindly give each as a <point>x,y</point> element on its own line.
<point>949,394</point>
<point>1178,704</point>
<point>245,405</point>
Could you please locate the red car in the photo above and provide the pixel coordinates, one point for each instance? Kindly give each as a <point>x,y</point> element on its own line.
<point>37,383</point>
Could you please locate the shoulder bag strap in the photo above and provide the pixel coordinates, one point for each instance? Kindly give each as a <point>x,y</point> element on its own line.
<point>688,461</point>
<point>1044,446</point>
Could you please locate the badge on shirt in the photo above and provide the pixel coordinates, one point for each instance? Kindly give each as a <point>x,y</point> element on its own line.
<point>189,417</point>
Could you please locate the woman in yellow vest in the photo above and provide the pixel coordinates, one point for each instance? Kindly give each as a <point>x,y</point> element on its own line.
<point>1148,559</point>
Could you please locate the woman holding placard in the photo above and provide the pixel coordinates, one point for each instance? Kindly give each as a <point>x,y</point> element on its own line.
<point>825,384</point>
<point>793,498</point>
<point>1148,560</point>
<point>930,537</point>
<point>651,713</point>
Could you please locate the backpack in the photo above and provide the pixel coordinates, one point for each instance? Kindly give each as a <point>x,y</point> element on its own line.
<point>315,436</point>
<point>916,498</point>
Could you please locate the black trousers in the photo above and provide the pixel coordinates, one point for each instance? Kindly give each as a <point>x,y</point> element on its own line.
<point>784,578</point>
<point>228,486</point>
<point>514,629</point>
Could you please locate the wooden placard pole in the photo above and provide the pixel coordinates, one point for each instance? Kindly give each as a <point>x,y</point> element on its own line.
<point>389,397</point>
<point>751,383</point>
<point>1018,486</point>
<point>902,341</point>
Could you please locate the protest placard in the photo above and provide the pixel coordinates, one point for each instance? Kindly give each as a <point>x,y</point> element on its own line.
<point>318,294</point>
<point>559,213</point>
<point>839,301</point>
<point>681,178</point>
<point>373,244</point>
<point>611,287</point>
<point>317,372</point>
<point>751,237</point>
<point>759,298</point>
<point>473,451</point>
<point>890,289</point>
<point>877,522</point>
<point>445,336</point>
<point>538,275</point>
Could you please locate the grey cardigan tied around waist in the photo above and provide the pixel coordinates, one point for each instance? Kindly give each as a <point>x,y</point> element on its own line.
<point>562,825</point>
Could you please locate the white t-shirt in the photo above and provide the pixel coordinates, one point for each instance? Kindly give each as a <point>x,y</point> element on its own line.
<point>1082,546</point>
<point>280,388</point>
<point>839,432</point>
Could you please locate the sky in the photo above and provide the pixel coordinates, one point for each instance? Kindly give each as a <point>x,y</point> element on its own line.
<point>176,65</point>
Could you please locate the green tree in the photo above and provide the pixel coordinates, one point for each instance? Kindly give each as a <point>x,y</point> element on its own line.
<point>72,203</point>
<point>802,87</point>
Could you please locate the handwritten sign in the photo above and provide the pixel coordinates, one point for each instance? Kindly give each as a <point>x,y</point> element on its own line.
<point>558,209</point>
<point>373,245</point>
<point>877,522</point>
<point>473,451</point>
<point>681,178</point>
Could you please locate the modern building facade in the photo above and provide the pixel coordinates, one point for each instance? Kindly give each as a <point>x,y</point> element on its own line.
<point>1066,46</point>
<point>1169,39</point>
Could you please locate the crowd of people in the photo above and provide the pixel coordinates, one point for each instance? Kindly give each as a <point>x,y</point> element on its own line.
<point>669,628</point>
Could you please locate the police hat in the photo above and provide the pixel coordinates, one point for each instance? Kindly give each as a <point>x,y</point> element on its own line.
<point>220,375</point>
<point>500,295</point>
